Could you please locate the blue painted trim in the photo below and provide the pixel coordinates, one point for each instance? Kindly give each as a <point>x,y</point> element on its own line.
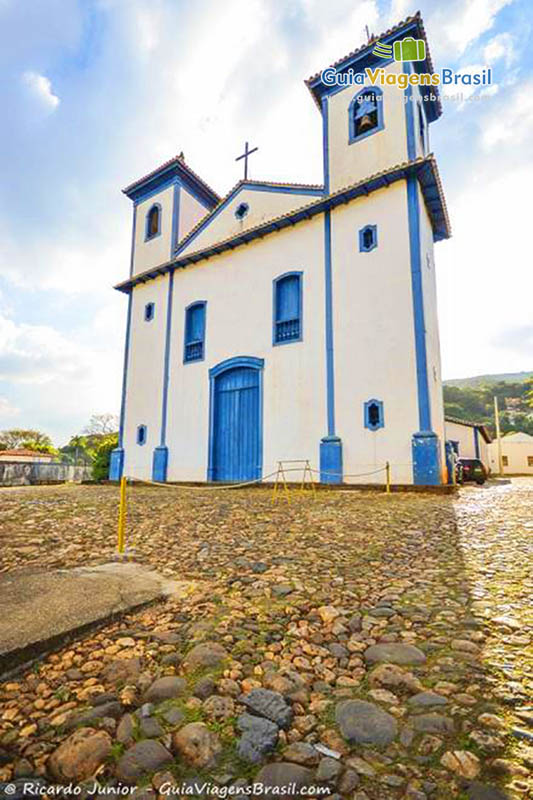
<point>157,190</point>
<point>231,363</point>
<point>149,312</point>
<point>476,443</point>
<point>147,235</point>
<point>330,366</point>
<point>409,120</point>
<point>366,414</point>
<point>413,213</point>
<point>351,114</point>
<point>116,464</point>
<point>133,231</point>
<point>166,367</point>
<point>362,247</point>
<point>331,460</point>
<point>160,464</point>
<point>142,435</point>
<point>231,196</point>
<point>185,343</point>
<point>325,142</point>
<point>275,282</point>
<point>175,218</point>
<point>426,459</point>
<point>125,373</point>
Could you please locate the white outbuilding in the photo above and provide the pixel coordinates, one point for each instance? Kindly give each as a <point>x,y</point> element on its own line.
<point>295,321</point>
<point>468,439</point>
<point>517,454</point>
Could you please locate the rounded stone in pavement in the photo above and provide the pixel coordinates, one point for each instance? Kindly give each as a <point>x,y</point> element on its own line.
<point>207,654</point>
<point>365,723</point>
<point>393,653</point>
<point>283,775</point>
<point>480,791</point>
<point>165,689</point>
<point>197,745</point>
<point>260,737</point>
<point>432,723</point>
<point>146,756</point>
<point>78,757</point>
<point>427,699</point>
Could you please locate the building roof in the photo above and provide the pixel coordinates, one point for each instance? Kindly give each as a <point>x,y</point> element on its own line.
<point>425,169</point>
<point>24,451</point>
<point>363,57</point>
<point>175,167</point>
<point>518,437</point>
<point>481,428</point>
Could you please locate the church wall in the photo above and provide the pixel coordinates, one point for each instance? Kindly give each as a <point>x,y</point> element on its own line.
<point>145,377</point>
<point>157,250</point>
<point>191,212</point>
<point>238,289</point>
<point>427,258</point>
<point>374,340</point>
<point>349,163</point>
<point>264,205</point>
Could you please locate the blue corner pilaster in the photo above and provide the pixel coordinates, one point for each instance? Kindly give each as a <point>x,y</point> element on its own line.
<point>116,464</point>
<point>426,459</point>
<point>159,464</point>
<point>448,449</point>
<point>330,460</point>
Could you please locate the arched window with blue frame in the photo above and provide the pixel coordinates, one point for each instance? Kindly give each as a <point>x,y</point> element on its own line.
<point>153,222</point>
<point>141,434</point>
<point>287,322</point>
<point>194,349</point>
<point>365,114</point>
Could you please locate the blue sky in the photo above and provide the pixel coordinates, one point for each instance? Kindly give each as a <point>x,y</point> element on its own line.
<point>96,93</point>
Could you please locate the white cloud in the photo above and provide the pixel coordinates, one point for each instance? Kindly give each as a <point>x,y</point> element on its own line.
<point>454,26</point>
<point>500,46</point>
<point>512,125</point>
<point>7,409</point>
<point>41,89</point>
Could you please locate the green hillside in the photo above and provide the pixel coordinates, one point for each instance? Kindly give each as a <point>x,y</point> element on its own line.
<point>475,401</point>
<point>485,380</point>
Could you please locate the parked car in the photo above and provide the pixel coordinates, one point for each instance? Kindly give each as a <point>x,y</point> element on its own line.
<point>470,469</point>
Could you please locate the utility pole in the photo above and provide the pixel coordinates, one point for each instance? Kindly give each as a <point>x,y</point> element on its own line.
<point>498,437</point>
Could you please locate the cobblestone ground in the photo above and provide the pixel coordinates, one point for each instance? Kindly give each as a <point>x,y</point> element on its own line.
<point>378,646</point>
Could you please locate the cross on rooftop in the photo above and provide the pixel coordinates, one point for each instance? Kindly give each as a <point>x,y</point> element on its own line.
<point>245,156</point>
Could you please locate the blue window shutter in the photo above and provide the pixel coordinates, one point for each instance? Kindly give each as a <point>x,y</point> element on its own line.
<point>194,332</point>
<point>288,308</point>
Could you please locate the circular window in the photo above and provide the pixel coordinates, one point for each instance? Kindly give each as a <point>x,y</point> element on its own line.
<point>242,210</point>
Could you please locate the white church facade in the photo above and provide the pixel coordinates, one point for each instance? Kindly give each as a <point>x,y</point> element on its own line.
<point>288,321</point>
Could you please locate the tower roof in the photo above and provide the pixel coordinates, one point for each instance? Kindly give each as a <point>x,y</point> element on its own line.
<point>363,57</point>
<point>174,168</point>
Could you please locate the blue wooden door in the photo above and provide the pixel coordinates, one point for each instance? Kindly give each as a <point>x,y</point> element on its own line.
<point>236,423</point>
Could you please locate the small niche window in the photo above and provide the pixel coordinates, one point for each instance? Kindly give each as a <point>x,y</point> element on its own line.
<point>153,222</point>
<point>373,414</point>
<point>149,312</point>
<point>530,461</point>
<point>288,308</point>
<point>365,114</point>
<point>505,461</point>
<point>194,332</point>
<point>242,210</point>
<point>141,434</point>
<point>368,238</point>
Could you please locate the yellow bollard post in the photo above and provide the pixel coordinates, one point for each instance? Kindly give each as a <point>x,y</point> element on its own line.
<point>387,471</point>
<point>121,533</point>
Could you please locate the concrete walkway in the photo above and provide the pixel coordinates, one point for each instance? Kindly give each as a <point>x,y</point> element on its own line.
<point>42,609</point>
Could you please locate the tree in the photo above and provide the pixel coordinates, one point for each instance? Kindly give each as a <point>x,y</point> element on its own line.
<point>101,424</point>
<point>103,457</point>
<point>26,438</point>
